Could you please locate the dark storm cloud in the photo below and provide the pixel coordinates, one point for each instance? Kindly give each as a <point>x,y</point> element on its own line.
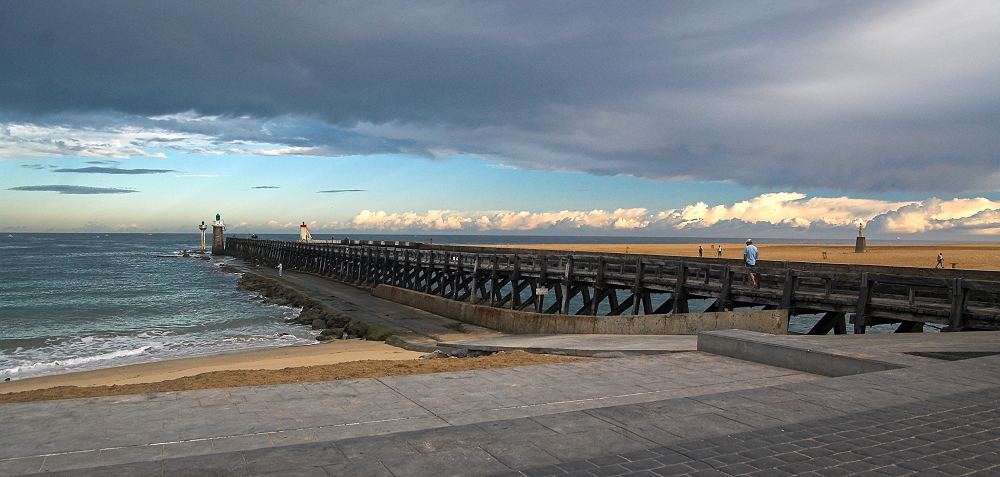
<point>844,95</point>
<point>265,187</point>
<point>113,170</point>
<point>71,189</point>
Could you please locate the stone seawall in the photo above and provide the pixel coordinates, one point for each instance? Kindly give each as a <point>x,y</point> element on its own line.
<point>520,322</point>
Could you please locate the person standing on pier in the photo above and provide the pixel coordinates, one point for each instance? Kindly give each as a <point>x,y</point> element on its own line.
<point>279,269</point>
<point>750,258</point>
<point>720,251</point>
<point>700,250</point>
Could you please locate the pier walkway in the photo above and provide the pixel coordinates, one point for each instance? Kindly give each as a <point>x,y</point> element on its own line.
<point>414,329</point>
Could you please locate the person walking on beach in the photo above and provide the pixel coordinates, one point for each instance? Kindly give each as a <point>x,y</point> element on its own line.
<point>940,263</point>
<point>750,258</point>
<point>279,269</point>
<point>700,251</point>
<point>720,251</point>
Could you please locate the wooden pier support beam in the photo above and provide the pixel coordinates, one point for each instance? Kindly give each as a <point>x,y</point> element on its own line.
<point>830,321</point>
<point>864,302</point>
<point>567,285</point>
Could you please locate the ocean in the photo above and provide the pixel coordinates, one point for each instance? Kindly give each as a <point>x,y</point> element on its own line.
<point>73,302</point>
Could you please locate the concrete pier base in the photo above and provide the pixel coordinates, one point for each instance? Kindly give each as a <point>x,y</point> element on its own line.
<point>847,355</point>
<point>521,322</point>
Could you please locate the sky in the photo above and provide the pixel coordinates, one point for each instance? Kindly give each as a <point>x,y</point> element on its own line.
<point>764,119</point>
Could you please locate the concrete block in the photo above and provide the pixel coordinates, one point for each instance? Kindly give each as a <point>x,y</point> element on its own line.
<point>754,347</point>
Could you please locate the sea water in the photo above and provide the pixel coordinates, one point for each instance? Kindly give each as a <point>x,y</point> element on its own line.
<point>72,302</point>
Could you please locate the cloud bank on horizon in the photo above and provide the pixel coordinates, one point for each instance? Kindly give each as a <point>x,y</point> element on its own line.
<point>773,216</point>
<point>891,99</point>
<point>770,214</point>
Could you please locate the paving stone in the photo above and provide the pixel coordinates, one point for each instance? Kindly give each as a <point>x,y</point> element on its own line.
<point>315,471</point>
<point>737,469</point>
<point>582,445</point>
<point>726,459</point>
<point>273,459</point>
<point>515,429</point>
<point>452,462</point>
<point>642,464</point>
<point>674,469</point>
<point>576,466</point>
<point>223,465</point>
<point>519,455</point>
<point>609,471</point>
<point>544,471</point>
<point>832,472</point>
<point>69,461</point>
<point>640,455</point>
<point>610,460</point>
<point>132,469</point>
<point>798,467</point>
<point>28,465</point>
<point>857,466</point>
<point>892,471</point>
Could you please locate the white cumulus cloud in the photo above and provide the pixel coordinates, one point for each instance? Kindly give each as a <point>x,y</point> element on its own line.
<point>790,208</point>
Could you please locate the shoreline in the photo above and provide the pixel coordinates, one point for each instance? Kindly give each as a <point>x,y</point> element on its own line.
<point>334,352</point>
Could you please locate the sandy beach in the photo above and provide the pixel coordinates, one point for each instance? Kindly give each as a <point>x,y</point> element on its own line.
<point>339,351</point>
<point>978,256</point>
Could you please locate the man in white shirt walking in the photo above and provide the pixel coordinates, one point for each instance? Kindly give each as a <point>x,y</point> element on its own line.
<point>750,258</point>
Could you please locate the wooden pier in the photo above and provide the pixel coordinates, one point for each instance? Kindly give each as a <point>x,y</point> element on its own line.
<point>616,284</point>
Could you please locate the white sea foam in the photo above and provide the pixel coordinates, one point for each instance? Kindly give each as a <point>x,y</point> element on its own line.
<point>70,363</point>
<point>93,352</point>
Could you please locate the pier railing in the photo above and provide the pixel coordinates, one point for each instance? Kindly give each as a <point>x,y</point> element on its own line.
<point>616,284</point>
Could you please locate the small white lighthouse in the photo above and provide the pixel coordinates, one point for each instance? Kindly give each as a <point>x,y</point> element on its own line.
<point>218,236</point>
<point>304,235</point>
<point>203,228</point>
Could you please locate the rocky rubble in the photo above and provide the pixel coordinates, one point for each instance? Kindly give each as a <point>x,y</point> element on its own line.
<point>320,316</point>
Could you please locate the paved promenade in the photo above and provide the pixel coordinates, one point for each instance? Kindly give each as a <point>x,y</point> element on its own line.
<point>690,412</point>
